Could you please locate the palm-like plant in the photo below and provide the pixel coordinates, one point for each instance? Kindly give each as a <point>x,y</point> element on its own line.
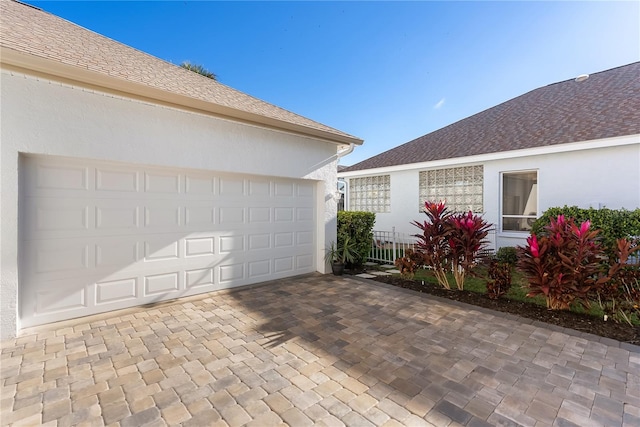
<point>339,255</point>
<point>196,68</point>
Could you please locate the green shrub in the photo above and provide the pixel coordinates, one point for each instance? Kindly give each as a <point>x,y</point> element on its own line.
<point>507,255</point>
<point>358,226</point>
<point>613,224</point>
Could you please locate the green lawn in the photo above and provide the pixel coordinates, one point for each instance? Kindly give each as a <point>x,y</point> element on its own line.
<point>518,291</point>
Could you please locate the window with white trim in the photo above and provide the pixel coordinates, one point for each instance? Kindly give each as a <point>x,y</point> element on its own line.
<point>519,200</point>
<point>460,188</point>
<point>370,194</point>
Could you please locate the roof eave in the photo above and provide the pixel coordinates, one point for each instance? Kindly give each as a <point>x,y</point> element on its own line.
<point>616,141</point>
<point>10,58</point>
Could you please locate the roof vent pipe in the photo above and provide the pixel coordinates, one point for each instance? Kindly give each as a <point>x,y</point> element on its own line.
<point>582,77</point>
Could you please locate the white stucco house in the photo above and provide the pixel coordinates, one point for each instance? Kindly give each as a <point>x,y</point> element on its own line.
<point>127,180</point>
<point>576,142</point>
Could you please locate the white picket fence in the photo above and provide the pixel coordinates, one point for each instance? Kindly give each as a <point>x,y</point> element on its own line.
<point>387,246</point>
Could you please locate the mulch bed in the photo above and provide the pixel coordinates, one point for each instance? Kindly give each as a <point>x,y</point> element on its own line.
<point>580,322</point>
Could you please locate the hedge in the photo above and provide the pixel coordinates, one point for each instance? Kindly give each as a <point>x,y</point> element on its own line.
<point>359,226</point>
<point>614,224</point>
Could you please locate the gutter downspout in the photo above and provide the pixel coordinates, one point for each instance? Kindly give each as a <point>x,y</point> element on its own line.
<point>341,154</point>
<point>346,151</point>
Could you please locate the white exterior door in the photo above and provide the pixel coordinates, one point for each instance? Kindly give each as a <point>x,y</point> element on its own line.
<point>99,236</point>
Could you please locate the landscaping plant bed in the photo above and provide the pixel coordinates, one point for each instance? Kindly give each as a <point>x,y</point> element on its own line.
<point>566,319</point>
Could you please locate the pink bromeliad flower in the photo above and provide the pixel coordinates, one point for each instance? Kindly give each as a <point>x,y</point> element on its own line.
<point>584,228</point>
<point>533,245</point>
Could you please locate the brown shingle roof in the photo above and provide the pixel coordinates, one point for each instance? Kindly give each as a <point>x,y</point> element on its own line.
<point>30,30</point>
<point>605,105</point>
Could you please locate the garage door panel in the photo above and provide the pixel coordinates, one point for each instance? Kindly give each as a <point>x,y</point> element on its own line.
<point>161,249</point>
<point>283,214</point>
<point>304,238</point>
<point>162,216</point>
<point>56,259</point>
<point>283,264</point>
<point>54,300</point>
<point>231,272</point>
<point>117,180</point>
<point>199,215</point>
<point>124,218</point>
<point>199,185</point>
<point>259,215</point>
<point>200,278</point>
<point>304,261</point>
<point>199,246</point>
<point>304,214</point>
<point>231,215</point>
<point>283,189</point>
<point>164,284</point>
<point>284,239</point>
<point>259,241</point>
<point>305,190</point>
<point>99,236</point>
<point>61,256</point>
<point>231,187</point>
<point>57,301</point>
<point>259,268</point>
<point>114,291</point>
<point>232,243</point>
<point>59,177</point>
<point>162,182</point>
<point>117,253</point>
<point>55,217</point>
<point>259,188</point>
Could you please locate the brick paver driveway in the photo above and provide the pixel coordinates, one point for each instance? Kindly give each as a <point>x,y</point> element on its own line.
<point>315,349</point>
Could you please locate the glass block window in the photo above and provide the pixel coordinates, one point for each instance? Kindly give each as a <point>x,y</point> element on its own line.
<point>519,200</point>
<point>460,188</point>
<point>370,194</point>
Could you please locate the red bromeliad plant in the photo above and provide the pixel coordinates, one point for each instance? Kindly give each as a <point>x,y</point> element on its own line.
<point>565,264</point>
<point>450,242</point>
<point>619,298</point>
<point>433,242</point>
<point>466,238</point>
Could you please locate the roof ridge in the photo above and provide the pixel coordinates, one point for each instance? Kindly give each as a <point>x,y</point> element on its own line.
<point>592,74</point>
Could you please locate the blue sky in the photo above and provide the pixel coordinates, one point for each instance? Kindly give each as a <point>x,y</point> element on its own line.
<point>387,72</point>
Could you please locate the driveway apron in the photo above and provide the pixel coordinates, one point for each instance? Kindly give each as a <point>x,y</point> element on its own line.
<point>315,350</point>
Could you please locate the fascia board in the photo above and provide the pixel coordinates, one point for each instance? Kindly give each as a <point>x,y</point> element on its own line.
<point>67,72</point>
<point>483,158</point>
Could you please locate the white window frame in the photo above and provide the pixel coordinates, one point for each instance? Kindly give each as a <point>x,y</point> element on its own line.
<point>378,206</point>
<point>516,233</point>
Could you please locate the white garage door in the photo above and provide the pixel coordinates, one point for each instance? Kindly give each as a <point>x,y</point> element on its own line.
<point>98,236</point>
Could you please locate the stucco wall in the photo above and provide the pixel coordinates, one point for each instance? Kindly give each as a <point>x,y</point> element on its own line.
<point>606,176</point>
<point>586,178</point>
<point>45,117</point>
